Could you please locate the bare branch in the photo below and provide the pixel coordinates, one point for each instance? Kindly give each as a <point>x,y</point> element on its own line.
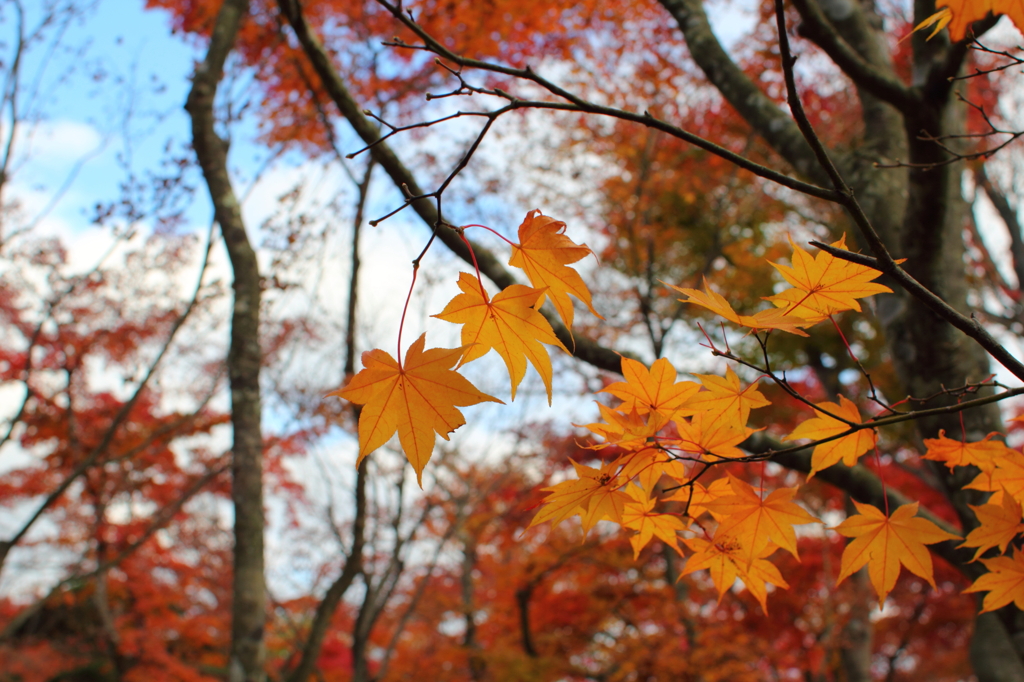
<point>584,349</point>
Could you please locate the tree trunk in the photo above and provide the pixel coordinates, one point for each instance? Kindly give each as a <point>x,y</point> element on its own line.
<point>248,610</point>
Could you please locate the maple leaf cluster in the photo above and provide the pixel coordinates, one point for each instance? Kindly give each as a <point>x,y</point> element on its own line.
<point>666,434</point>
<point>421,396</point>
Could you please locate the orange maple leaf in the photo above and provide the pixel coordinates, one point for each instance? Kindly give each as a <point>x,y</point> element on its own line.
<point>639,515</point>
<point>714,439</point>
<point>416,398</point>
<point>654,391</point>
<point>628,431</point>
<point>509,324</point>
<point>1000,523</point>
<point>954,453</point>
<point>576,497</point>
<point>647,466</point>
<point>1008,474</point>
<point>723,559</point>
<point>723,398</point>
<point>766,319</point>
<point>1004,582</point>
<point>544,254</point>
<point>848,448</point>
<point>883,543</point>
<point>696,497</point>
<point>824,284</point>
<point>756,521</point>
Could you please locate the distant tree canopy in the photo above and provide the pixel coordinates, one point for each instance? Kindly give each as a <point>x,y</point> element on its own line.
<point>844,420</point>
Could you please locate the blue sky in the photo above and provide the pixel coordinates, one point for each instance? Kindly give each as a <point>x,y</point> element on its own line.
<point>113,59</point>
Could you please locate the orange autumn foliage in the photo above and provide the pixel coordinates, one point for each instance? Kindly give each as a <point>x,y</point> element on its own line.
<point>667,433</point>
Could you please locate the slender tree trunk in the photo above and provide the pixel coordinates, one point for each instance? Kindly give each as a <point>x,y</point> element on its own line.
<point>325,610</point>
<point>248,611</point>
<point>354,562</point>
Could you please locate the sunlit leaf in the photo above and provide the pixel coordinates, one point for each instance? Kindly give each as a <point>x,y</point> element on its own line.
<point>1004,582</point>
<point>1000,523</point>
<point>544,254</point>
<point>724,559</point>
<point>509,324</point>
<point>847,449</point>
<point>883,543</point>
<point>756,521</point>
<point>724,398</point>
<point>652,392</point>
<point>824,285</point>
<point>417,399</point>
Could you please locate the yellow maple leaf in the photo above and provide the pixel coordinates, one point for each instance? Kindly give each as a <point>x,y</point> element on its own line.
<point>653,391</point>
<point>544,254</point>
<point>417,398</point>
<point>724,398</point>
<point>954,453</point>
<point>647,465</point>
<point>639,515</point>
<point>766,319</point>
<point>1004,582</point>
<point>883,543</point>
<point>695,497</point>
<point>573,497</point>
<point>630,431</point>
<point>723,559</point>
<point>1008,474</point>
<point>824,284</point>
<point>848,448</point>
<point>713,439</point>
<point>509,324</point>
<point>605,503</point>
<point>757,521</point>
<point>1000,523</point>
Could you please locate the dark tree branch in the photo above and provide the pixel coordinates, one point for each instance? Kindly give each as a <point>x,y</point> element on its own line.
<point>968,325</point>
<point>883,260</point>
<point>946,71</point>
<point>760,112</point>
<point>584,349</point>
<point>573,102</point>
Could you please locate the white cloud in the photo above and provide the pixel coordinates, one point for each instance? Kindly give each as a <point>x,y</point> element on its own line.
<point>57,142</point>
